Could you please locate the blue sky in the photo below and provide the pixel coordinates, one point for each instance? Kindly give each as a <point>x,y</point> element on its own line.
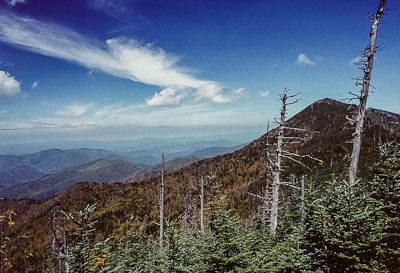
<point>119,69</point>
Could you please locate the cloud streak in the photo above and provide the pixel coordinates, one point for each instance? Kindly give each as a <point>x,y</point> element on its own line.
<point>357,61</point>
<point>121,57</point>
<point>14,2</point>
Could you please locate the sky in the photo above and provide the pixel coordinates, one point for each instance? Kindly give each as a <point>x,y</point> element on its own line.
<point>120,69</point>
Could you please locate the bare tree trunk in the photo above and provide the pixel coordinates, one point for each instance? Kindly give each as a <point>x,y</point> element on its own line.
<point>162,204</point>
<point>277,169</point>
<point>65,249</point>
<point>370,51</point>
<point>55,246</point>
<point>202,206</point>
<point>302,201</point>
<point>2,254</point>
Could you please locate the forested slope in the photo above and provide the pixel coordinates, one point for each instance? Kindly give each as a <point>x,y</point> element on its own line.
<point>238,173</point>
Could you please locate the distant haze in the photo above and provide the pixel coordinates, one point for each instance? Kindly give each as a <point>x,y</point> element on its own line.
<point>238,134</point>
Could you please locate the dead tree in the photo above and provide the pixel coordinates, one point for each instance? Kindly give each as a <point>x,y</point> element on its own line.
<point>162,204</point>
<point>277,165</point>
<point>302,201</point>
<point>202,206</point>
<point>276,153</point>
<point>369,55</point>
<point>59,249</point>
<point>190,218</point>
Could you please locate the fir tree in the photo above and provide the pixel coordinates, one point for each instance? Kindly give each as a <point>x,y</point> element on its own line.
<point>85,256</point>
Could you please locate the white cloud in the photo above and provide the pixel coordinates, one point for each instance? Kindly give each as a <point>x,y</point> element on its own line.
<point>149,64</point>
<point>274,66</point>
<point>264,94</point>
<point>166,97</point>
<point>35,84</point>
<point>121,57</point>
<point>3,113</point>
<point>302,59</point>
<point>9,86</point>
<point>14,2</point>
<point>213,91</point>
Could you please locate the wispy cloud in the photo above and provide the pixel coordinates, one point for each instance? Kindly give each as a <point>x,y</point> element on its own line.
<point>357,60</point>
<point>14,2</point>
<point>121,57</point>
<point>9,86</point>
<point>5,64</point>
<point>35,84</point>
<point>303,60</point>
<point>264,94</point>
<point>114,8</point>
<point>74,111</point>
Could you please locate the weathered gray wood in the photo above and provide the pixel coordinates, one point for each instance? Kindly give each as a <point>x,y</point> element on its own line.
<point>302,201</point>
<point>370,51</point>
<point>162,204</point>
<point>277,168</point>
<point>202,206</point>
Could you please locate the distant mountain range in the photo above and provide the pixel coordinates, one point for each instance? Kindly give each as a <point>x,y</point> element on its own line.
<point>16,169</point>
<point>99,170</point>
<point>165,145</point>
<point>23,168</point>
<point>47,173</point>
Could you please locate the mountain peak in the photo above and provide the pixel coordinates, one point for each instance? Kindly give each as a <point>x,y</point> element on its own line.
<point>328,101</point>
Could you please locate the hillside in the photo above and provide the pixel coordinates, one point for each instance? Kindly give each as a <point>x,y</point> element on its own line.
<point>100,170</point>
<point>28,167</point>
<point>215,151</point>
<point>96,171</point>
<point>16,169</point>
<point>239,173</point>
<point>155,170</point>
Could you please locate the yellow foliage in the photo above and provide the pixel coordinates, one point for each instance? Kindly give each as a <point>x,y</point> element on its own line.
<point>99,259</point>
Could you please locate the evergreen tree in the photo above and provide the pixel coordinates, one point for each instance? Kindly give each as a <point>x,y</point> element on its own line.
<point>385,189</point>
<point>137,253</point>
<point>343,228</point>
<point>85,256</point>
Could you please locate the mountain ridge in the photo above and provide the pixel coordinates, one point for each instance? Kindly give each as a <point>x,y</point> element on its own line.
<point>99,170</point>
